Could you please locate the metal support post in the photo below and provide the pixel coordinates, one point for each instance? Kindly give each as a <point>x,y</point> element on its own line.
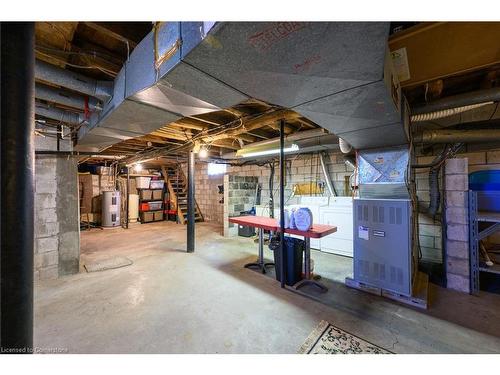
<point>190,202</point>
<point>17,128</point>
<point>282,203</point>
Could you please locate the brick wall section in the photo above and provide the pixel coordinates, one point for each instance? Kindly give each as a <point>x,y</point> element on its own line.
<point>457,228</point>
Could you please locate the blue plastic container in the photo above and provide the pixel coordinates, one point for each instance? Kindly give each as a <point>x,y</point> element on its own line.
<point>487,185</point>
<point>485,180</point>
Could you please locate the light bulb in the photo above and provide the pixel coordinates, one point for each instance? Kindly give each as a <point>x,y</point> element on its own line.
<point>203,153</point>
<point>138,167</point>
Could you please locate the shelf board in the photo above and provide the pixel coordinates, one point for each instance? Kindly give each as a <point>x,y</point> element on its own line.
<point>493,269</point>
<point>492,217</point>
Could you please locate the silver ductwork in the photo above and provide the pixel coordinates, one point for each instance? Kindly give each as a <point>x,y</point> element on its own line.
<point>59,114</point>
<point>65,97</point>
<point>102,90</point>
<point>338,74</point>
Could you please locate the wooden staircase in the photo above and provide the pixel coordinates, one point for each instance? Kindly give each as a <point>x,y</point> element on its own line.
<point>177,188</point>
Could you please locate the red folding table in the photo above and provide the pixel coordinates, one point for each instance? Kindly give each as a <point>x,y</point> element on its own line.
<point>265,223</point>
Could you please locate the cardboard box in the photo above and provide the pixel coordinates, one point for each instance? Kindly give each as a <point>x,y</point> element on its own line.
<point>158,215</point>
<point>157,194</point>
<point>97,204</point>
<point>85,192</point>
<point>146,195</point>
<point>147,217</point>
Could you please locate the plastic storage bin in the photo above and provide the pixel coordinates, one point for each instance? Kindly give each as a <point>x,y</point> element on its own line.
<point>485,180</point>
<point>156,184</point>
<point>142,182</point>
<point>155,205</point>
<point>293,252</point>
<point>487,185</point>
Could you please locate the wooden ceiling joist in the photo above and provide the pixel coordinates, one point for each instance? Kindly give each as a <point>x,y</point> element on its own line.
<point>104,30</point>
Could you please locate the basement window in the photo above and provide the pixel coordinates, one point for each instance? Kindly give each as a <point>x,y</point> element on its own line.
<point>215,168</point>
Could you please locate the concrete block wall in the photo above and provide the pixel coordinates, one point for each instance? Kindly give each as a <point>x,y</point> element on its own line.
<point>57,241</point>
<point>207,194</point>
<point>240,197</point>
<point>430,230</point>
<point>300,169</point>
<point>457,227</point>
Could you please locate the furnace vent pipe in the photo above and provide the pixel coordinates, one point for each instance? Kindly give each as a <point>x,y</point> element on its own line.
<point>66,98</point>
<point>345,147</point>
<point>431,116</point>
<point>329,183</point>
<point>77,82</point>
<point>462,100</point>
<point>59,115</point>
<point>457,136</point>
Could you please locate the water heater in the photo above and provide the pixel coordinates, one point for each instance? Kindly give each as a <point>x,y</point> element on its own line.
<point>111,209</point>
<point>383,253</point>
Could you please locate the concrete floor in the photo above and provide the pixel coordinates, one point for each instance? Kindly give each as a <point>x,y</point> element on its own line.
<point>172,302</point>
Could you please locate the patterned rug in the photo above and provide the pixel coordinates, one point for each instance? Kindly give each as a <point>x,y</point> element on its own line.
<point>328,339</point>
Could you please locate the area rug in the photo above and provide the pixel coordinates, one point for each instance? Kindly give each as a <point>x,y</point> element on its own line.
<point>328,339</point>
<point>107,264</point>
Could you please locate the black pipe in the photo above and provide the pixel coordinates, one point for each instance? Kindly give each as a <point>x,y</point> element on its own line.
<point>190,204</point>
<point>17,186</point>
<point>127,197</point>
<point>282,202</point>
<point>271,190</point>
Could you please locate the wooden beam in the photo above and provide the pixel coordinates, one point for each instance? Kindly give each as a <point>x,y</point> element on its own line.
<point>184,125</point>
<point>436,50</point>
<point>256,123</point>
<point>288,129</point>
<point>110,33</point>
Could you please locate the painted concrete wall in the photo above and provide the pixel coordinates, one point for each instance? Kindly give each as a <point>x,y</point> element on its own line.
<point>57,237</point>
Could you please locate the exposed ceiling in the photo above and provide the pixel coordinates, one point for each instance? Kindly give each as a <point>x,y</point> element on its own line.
<point>442,59</point>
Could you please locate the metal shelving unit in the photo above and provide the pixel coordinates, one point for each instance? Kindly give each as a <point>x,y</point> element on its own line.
<point>141,211</point>
<point>478,215</point>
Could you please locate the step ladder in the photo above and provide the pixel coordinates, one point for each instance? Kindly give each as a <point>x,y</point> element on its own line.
<point>177,188</point>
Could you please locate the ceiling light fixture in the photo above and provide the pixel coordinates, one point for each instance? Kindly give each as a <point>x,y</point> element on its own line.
<point>203,153</point>
<point>293,147</point>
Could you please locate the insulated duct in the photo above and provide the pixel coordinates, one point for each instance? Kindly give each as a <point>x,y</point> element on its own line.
<point>59,114</point>
<point>457,136</point>
<point>66,98</point>
<point>475,97</point>
<point>102,90</point>
<point>431,116</point>
<point>345,147</point>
